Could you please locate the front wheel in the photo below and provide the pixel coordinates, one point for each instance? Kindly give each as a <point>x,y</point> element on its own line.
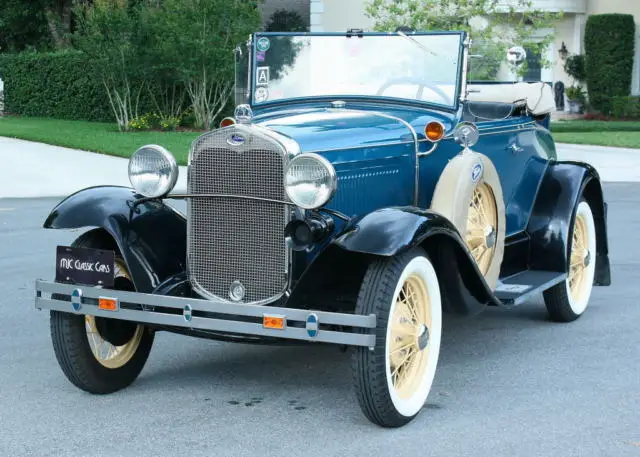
<point>393,380</point>
<point>96,354</point>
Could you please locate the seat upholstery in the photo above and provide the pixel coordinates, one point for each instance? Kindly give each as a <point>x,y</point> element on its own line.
<point>538,96</point>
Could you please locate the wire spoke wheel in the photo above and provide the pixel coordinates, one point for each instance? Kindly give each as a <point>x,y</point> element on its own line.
<point>568,300</point>
<point>107,354</point>
<point>580,258</point>
<point>410,323</point>
<point>393,378</point>
<point>482,226</point>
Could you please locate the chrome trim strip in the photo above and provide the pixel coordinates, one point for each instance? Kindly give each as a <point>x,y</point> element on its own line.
<point>89,306</point>
<point>505,131</point>
<point>242,197</point>
<point>371,145</point>
<point>465,67</point>
<point>433,148</point>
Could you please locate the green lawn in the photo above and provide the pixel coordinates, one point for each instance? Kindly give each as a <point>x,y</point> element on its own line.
<point>94,136</point>
<point>595,126</point>
<point>616,139</point>
<point>624,134</point>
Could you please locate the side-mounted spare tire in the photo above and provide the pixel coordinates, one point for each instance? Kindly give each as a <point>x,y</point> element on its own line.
<point>469,194</point>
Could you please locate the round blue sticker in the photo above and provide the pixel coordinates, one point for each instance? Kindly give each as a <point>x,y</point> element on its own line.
<point>476,172</point>
<point>263,44</point>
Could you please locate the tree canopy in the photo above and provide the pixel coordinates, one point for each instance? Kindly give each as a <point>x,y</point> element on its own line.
<point>494,25</point>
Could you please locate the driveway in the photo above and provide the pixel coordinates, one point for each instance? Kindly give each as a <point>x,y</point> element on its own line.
<point>509,382</point>
<point>39,170</point>
<point>32,169</point>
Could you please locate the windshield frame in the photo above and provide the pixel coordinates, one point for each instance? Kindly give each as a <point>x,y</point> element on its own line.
<point>460,77</point>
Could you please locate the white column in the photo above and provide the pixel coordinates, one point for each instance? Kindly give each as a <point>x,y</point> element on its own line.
<point>316,8</point>
<point>578,26</point>
<point>635,82</point>
<point>546,74</point>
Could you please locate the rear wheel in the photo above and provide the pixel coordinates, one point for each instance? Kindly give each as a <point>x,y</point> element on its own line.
<point>96,354</point>
<point>568,300</point>
<point>393,380</point>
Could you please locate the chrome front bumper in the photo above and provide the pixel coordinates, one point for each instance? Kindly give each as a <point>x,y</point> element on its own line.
<point>193,313</point>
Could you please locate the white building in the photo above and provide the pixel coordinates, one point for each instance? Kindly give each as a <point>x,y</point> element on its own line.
<point>340,15</point>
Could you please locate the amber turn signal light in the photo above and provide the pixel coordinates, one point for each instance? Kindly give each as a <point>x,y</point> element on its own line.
<point>108,304</point>
<point>434,131</point>
<point>274,322</point>
<point>227,121</point>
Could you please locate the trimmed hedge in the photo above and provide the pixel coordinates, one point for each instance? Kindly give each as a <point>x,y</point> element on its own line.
<point>58,85</point>
<point>625,107</point>
<point>609,45</point>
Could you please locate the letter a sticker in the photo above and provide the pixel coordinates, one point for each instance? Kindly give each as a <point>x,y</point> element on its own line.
<point>262,76</point>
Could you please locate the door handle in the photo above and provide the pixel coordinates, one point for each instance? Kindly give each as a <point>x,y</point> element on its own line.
<point>514,148</point>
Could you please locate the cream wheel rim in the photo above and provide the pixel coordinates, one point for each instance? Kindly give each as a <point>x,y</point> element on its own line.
<point>107,354</point>
<point>408,351</point>
<point>482,226</point>
<point>580,258</point>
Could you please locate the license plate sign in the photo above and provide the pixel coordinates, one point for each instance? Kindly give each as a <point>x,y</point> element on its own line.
<point>91,267</point>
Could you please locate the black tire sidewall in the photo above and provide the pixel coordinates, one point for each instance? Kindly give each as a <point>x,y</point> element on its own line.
<point>369,366</point>
<point>71,344</point>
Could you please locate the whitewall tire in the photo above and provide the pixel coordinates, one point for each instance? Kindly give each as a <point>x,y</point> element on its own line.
<point>394,379</point>
<point>568,300</point>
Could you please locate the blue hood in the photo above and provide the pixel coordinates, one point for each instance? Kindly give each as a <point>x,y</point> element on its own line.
<point>321,129</point>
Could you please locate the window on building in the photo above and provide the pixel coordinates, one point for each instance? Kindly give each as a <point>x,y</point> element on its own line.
<point>534,66</point>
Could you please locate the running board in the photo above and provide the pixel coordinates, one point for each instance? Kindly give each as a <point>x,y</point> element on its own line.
<point>517,289</point>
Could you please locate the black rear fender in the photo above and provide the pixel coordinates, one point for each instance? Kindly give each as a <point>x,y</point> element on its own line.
<point>563,185</point>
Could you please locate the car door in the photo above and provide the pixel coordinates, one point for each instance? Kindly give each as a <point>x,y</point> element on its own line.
<point>511,147</point>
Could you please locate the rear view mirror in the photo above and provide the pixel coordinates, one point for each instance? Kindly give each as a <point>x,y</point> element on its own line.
<point>516,55</point>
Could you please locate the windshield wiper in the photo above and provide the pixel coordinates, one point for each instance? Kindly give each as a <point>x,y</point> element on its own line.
<point>422,46</point>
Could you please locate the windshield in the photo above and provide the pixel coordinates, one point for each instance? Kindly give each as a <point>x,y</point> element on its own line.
<point>416,67</point>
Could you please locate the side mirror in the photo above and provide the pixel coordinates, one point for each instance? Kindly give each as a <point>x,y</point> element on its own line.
<point>516,55</point>
<point>466,134</point>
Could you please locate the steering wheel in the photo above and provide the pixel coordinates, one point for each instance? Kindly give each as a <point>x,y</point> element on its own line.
<point>421,86</point>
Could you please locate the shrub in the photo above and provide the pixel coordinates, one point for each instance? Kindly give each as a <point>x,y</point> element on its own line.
<point>138,123</point>
<point>575,67</point>
<point>575,93</point>
<point>625,107</point>
<point>169,123</point>
<point>286,21</point>
<point>609,46</point>
<point>56,85</point>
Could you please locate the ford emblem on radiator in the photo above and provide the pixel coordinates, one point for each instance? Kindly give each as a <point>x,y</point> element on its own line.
<point>236,139</point>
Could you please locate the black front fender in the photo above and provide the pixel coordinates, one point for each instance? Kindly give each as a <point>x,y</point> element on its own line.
<point>151,236</point>
<point>392,231</point>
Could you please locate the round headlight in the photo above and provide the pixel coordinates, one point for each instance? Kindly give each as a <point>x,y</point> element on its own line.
<point>310,181</point>
<point>153,171</point>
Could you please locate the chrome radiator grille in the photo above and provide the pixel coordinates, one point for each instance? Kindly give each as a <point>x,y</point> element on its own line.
<point>237,239</point>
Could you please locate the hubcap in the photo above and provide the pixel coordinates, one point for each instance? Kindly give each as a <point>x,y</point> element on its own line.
<point>481,226</point>
<point>580,258</point>
<point>408,352</point>
<point>106,353</point>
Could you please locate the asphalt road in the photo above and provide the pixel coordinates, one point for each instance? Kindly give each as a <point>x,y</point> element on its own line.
<point>509,383</point>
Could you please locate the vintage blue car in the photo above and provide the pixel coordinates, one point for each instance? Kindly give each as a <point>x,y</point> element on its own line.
<point>363,188</point>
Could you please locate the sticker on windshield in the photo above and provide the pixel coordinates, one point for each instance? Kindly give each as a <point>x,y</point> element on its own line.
<point>260,56</point>
<point>263,44</point>
<point>262,76</point>
<point>262,94</point>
